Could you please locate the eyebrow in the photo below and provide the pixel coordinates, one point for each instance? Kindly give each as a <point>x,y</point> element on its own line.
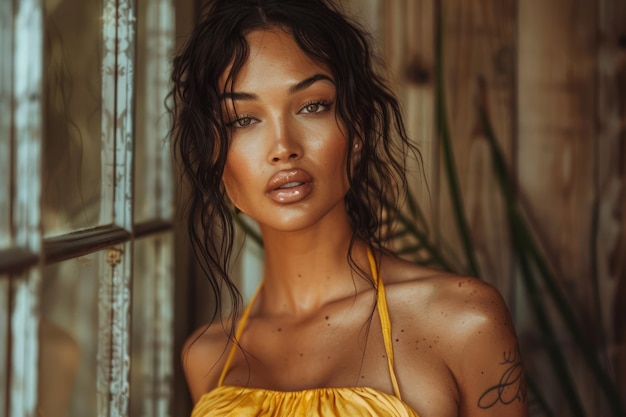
<point>310,81</point>
<point>302,85</point>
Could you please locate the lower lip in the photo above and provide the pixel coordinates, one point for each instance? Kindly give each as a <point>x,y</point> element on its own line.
<point>291,194</point>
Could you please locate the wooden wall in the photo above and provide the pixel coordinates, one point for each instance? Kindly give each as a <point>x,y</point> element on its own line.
<point>554,74</point>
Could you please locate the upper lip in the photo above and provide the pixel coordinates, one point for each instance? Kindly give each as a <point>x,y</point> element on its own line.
<point>286,176</point>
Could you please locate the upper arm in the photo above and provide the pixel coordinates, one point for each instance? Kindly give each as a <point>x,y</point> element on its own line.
<point>487,362</point>
<point>200,359</point>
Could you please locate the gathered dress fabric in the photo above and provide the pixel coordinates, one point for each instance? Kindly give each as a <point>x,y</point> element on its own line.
<point>228,400</point>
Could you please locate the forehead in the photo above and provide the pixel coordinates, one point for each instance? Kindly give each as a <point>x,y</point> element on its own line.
<point>273,55</point>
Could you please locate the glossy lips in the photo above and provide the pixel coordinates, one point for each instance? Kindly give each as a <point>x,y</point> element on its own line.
<point>289,186</point>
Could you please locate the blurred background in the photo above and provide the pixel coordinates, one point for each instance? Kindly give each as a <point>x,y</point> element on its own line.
<point>518,109</point>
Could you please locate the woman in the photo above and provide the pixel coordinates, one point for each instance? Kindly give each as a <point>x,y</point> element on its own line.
<point>279,115</point>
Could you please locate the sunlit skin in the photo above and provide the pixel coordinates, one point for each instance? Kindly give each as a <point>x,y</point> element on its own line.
<point>309,326</point>
<point>282,118</point>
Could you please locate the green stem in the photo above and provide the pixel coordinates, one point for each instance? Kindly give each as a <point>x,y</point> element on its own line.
<point>411,250</point>
<point>424,241</point>
<point>593,260</point>
<point>416,212</point>
<point>602,377</point>
<point>536,393</point>
<point>526,241</point>
<point>547,331</point>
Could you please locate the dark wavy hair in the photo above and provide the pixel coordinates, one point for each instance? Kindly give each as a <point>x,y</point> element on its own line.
<point>364,105</point>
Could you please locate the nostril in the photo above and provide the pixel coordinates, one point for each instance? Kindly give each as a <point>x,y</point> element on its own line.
<point>293,156</point>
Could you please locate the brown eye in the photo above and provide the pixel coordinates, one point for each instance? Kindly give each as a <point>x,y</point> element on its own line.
<point>315,107</point>
<point>243,122</point>
<point>312,108</point>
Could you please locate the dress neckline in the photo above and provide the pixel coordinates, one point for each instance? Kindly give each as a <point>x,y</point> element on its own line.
<point>383,313</point>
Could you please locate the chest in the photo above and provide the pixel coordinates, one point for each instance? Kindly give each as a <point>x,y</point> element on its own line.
<point>332,348</point>
<point>343,350</point>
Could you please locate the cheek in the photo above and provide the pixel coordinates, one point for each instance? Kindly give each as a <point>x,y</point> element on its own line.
<point>231,181</point>
<point>230,187</point>
<point>337,155</point>
<point>240,175</point>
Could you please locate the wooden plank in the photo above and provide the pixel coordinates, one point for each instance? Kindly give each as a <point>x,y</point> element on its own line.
<point>410,55</point>
<point>479,44</point>
<point>611,182</point>
<point>403,32</point>
<point>556,160</point>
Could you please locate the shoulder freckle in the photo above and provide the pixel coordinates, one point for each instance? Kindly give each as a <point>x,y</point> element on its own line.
<point>473,300</point>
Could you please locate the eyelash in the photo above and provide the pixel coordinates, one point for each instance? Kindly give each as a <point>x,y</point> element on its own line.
<point>324,103</point>
<point>236,123</point>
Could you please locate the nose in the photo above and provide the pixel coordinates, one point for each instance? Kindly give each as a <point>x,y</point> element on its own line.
<point>285,144</point>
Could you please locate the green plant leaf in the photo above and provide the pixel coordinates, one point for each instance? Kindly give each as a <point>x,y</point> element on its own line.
<point>525,245</point>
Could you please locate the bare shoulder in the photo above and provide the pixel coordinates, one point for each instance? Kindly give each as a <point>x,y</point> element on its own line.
<point>475,334</point>
<point>464,302</point>
<point>203,355</point>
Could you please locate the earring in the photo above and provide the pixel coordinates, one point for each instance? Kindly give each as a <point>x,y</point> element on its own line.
<point>356,146</point>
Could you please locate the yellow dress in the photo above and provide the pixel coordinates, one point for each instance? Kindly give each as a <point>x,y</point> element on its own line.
<point>226,400</point>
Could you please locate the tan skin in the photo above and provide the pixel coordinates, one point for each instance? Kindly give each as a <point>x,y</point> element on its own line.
<point>314,323</point>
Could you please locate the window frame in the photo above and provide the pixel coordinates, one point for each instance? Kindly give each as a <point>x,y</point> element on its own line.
<point>22,262</point>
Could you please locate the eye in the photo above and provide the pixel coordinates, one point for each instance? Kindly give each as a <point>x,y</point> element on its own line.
<point>243,121</point>
<point>315,107</point>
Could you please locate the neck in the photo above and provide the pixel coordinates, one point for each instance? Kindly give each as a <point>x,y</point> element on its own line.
<point>307,269</point>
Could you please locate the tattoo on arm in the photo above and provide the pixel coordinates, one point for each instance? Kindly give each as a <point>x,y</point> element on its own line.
<point>512,384</point>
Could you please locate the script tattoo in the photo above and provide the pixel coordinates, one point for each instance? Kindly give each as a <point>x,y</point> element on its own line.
<point>512,384</point>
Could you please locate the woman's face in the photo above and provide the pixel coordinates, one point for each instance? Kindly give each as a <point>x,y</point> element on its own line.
<point>286,165</point>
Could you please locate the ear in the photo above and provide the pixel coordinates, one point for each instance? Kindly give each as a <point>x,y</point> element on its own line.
<point>357,140</point>
<point>356,154</point>
<point>357,145</point>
